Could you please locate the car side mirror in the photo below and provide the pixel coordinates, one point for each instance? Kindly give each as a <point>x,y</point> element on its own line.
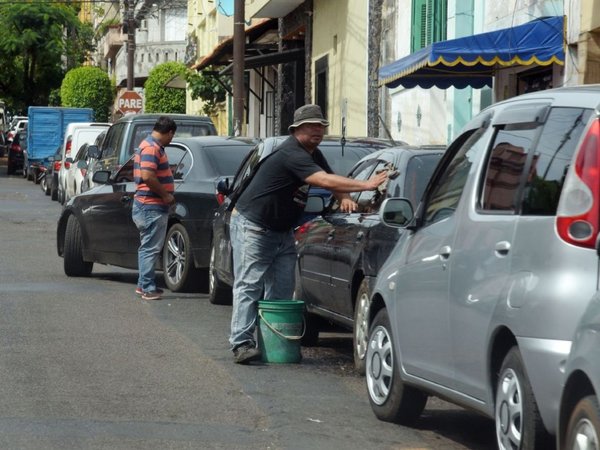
<point>94,152</point>
<point>101,177</point>
<point>223,186</point>
<point>396,212</point>
<point>314,204</point>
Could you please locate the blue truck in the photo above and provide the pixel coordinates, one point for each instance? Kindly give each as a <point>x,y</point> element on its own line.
<point>46,131</point>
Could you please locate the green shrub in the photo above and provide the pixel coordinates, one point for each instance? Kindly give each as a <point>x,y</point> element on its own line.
<point>206,87</point>
<point>160,99</point>
<point>88,87</point>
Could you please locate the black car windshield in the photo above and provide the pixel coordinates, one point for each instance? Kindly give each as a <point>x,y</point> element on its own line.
<point>342,165</point>
<point>227,159</point>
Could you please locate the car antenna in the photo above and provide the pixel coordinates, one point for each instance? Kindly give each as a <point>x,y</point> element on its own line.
<point>387,131</point>
<point>343,138</point>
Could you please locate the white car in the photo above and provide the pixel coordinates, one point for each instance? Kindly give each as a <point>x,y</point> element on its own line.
<point>19,123</point>
<point>77,134</point>
<point>76,172</point>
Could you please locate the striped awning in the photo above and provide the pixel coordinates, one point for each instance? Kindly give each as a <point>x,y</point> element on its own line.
<point>472,60</point>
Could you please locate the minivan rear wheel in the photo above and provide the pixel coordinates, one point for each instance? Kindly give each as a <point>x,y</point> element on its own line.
<point>518,421</point>
<point>391,400</point>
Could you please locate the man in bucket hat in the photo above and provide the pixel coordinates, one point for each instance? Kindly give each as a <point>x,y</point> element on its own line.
<point>264,216</point>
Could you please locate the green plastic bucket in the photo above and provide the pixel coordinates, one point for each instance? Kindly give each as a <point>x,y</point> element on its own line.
<point>280,328</point>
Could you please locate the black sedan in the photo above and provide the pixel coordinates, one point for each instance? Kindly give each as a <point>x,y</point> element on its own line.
<point>96,226</point>
<point>341,154</point>
<point>339,254</point>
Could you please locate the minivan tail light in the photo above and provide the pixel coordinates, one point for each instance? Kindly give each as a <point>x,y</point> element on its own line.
<point>56,166</point>
<point>68,146</point>
<point>67,165</point>
<point>578,213</point>
<point>220,198</point>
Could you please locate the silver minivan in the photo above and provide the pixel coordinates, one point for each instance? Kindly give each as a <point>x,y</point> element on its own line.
<point>480,298</point>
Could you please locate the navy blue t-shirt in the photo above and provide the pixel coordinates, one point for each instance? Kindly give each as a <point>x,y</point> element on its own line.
<point>276,196</point>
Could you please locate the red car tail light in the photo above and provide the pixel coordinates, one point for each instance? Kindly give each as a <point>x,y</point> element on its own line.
<point>68,147</point>
<point>57,165</point>
<point>15,148</point>
<point>67,165</point>
<point>578,213</point>
<point>302,229</point>
<point>220,198</point>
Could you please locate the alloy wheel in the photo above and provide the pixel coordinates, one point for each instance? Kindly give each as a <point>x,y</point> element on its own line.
<point>509,411</point>
<point>585,436</point>
<point>211,271</point>
<point>175,257</point>
<point>380,364</point>
<point>361,325</point>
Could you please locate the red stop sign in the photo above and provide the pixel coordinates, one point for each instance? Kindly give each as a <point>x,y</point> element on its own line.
<point>130,102</point>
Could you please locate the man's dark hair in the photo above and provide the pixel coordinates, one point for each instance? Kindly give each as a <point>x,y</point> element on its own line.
<point>165,124</point>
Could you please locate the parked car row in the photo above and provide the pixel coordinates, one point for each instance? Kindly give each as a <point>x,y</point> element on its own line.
<point>472,274</point>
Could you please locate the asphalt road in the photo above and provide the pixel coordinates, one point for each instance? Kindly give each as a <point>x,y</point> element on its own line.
<point>84,364</point>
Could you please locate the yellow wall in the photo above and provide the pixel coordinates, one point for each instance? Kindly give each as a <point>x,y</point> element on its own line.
<point>344,22</point>
<point>590,15</point>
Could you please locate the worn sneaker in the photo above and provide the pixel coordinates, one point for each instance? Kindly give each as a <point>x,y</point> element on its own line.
<point>154,295</point>
<point>246,353</point>
<point>139,291</point>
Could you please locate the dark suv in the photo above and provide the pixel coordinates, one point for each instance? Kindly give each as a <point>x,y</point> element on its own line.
<point>126,134</point>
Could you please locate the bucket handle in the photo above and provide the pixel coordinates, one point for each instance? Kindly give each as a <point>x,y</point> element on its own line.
<point>279,333</point>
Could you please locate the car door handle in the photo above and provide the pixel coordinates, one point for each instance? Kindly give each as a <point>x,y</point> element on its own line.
<point>125,199</point>
<point>445,252</point>
<point>502,248</point>
<point>359,235</point>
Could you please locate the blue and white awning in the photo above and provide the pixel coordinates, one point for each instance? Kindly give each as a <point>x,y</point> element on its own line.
<point>472,60</point>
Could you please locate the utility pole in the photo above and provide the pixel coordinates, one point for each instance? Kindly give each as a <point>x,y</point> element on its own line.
<point>239,48</point>
<point>130,20</point>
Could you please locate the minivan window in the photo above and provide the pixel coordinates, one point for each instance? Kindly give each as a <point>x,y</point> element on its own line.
<point>444,197</point>
<point>552,158</point>
<point>506,164</point>
<point>140,132</point>
<point>109,147</point>
<point>184,130</point>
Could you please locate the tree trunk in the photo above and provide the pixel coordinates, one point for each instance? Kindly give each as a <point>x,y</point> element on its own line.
<point>374,47</point>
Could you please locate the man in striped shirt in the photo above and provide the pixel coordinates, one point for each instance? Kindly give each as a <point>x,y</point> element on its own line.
<point>153,196</point>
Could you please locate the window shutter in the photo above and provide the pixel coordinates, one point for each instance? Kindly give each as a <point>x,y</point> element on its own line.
<point>419,17</point>
<point>428,23</point>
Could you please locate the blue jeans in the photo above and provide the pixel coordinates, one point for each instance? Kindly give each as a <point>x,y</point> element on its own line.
<point>152,224</point>
<point>263,262</point>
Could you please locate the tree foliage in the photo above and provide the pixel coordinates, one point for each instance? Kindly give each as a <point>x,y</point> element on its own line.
<point>160,99</point>
<point>88,87</point>
<point>36,41</point>
<point>206,87</point>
